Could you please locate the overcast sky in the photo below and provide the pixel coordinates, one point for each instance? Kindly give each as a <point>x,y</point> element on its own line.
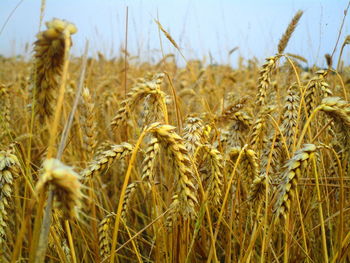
<point>198,26</point>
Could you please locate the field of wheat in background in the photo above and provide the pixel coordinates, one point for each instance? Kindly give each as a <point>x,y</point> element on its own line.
<point>106,161</point>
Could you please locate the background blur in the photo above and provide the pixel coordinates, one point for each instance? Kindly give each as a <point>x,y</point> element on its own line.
<point>202,28</point>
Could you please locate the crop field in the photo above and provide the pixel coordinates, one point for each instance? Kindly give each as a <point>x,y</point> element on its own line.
<point>106,160</point>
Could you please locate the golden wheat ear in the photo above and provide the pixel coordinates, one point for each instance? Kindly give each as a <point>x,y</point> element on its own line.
<point>185,200</point>
<point>88,123</point>
<point>294,169</point>
<point>141,90</point>
<point>8,171</point>
<point>193,133</point>
<point>65,183</point>
<point>289,31</point>
<point>104,235</point>
<point>49,55</point>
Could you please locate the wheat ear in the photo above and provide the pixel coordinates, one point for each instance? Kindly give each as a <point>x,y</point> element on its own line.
<point>104,235</point>
<point>88,122</point>
<point>289,31</point>
<point>290,115</point>
<point>216,174</point>
<point>66,186</point>
<point>185,200</point>
<point>339,111</point>
<point>4,109</point>
<point>129,192</point>
<point>138,92</point>
<point>313,90</point>
<point>8,171</point>
<point>259,128</point>
<point>193,132</point>
<point>264,81</point>
<point>149,162</point>
<point>49,52</point>
<point>105,158</point>
<point>290,177</point>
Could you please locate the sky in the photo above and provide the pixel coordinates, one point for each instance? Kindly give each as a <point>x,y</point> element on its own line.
<point>200,27</point>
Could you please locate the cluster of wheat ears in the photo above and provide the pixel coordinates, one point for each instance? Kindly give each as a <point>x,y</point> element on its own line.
<point>155,163</point>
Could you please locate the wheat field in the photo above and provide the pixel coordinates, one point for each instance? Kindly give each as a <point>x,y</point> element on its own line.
<point>103,160</point>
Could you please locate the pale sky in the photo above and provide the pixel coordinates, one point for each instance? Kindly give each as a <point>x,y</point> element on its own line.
<point>198,26</point>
